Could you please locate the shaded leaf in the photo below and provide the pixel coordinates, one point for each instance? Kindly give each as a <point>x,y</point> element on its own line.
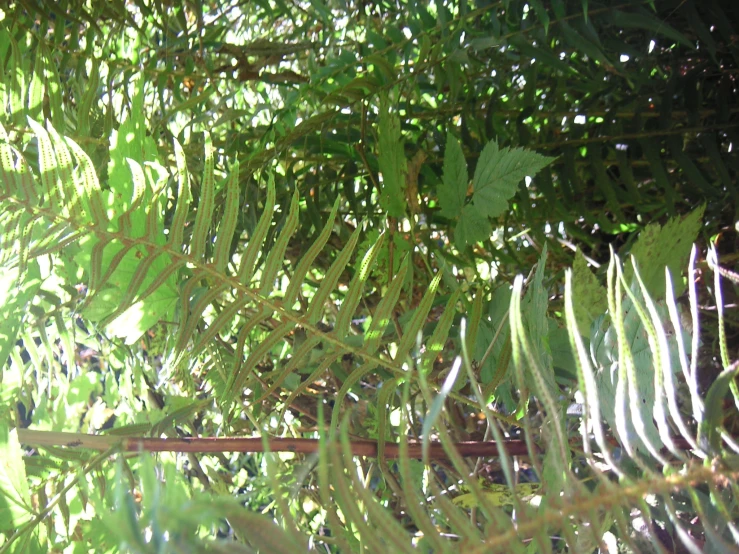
<point>590,294</point>
<point>669,246</point>
<point>392,161</point>
<point>498,173</point>
<point>472,227</point>
<point>453,190</point>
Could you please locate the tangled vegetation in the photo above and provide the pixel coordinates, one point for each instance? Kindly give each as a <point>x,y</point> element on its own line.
<point>369,276</point>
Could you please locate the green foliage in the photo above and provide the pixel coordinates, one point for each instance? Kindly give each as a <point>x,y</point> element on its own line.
<point>225,220</point>
<point>657,249</point>
<point>497,175</point>
<point>590,292</point>
<point>15,504</point>
<point>664,247</point>
<point>391,159</point>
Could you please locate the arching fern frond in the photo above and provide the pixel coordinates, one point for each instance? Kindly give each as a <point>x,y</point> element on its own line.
<point>139,270</point>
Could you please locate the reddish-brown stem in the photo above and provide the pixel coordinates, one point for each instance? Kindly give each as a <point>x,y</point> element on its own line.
<point>484,449</point>
<point>237,444</point>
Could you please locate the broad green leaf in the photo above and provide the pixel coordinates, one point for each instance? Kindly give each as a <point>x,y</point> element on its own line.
<point>483,43</point>
<point>145,281</point>
<point>590,294</point>
<point>669,246</point>
<point>453,190</point>
<point>146,313</point>
<point>392,161</point>
<point>584,46</point>
<point>471,227</point>
<point>498,173</point>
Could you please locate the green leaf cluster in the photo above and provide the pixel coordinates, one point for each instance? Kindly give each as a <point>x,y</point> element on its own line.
<point>497,176</point>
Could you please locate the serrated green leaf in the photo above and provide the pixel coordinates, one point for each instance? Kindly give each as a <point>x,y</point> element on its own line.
<point>15,77</point>
<point>90,95</point>
<point>498,173</point>
<point>204,215</point>
<point>415,325</point>
<point>306,260</point>
<point>277,253</point>
<point>438,339</point>
<point>328,285</point>
<point>53,88</point>
<point>590,294</point>
<point>354,294</point>
<point>383,313</point>
<point>262,532</point>
<point>669,246</point>
<point>472,227</point>
<point>249,257</point>
<point>453,190</point>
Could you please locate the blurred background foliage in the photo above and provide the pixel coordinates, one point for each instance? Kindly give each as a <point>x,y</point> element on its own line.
<point>636,100</point>
<point>352,104</point>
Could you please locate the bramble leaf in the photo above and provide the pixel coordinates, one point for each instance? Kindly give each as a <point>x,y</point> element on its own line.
<point>471,227</point>
<point>498,173</point>
<point>496,177</point>
<point>453,191</point>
